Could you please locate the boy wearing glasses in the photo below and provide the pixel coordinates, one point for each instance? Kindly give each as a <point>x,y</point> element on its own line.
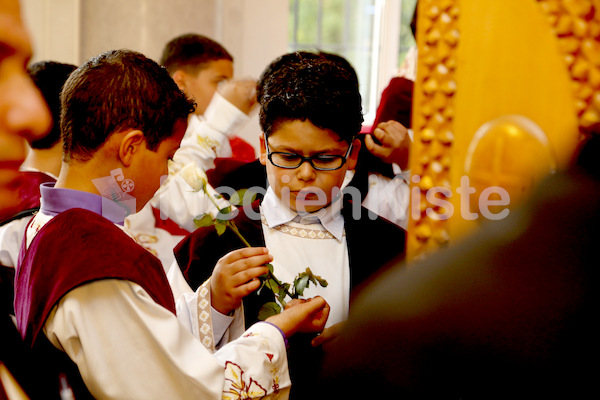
<point>310,113</point>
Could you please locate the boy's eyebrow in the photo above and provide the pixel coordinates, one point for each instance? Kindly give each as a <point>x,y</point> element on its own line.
<point>288,149</point>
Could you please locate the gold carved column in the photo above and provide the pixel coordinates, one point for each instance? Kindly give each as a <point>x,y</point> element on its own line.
<point>438,36</point>
<point>503,88</point>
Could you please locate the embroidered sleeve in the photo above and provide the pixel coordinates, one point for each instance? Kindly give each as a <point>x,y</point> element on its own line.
<point>204,317</point>
<point>214,329</point>
<point>266,375</point>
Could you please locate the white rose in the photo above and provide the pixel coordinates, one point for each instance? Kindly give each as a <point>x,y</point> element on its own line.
<point>194,176</point>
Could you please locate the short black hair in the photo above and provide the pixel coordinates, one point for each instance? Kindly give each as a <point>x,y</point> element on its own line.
<point>49,77</point>
<point>317,87</point>
<point>117,90</point>
<point>191,52</point>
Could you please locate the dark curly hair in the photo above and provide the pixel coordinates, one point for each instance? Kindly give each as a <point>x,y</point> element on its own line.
<point>319,87</point>
<point>119,89</point>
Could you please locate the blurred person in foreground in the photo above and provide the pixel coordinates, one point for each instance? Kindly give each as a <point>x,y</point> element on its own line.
<point>43,160</point>
<point>508,313</point>
<point>23,115</point>
<point>23,112</point>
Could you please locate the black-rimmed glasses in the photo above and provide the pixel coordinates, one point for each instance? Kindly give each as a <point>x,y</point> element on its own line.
<point>320,162</point>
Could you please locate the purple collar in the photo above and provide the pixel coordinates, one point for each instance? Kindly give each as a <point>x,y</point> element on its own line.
<point>56,200</point>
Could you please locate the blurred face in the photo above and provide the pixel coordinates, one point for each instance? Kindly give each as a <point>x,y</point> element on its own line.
<point>151,166</point>
<point>305,189</point>
<point>203,85</point>
<point>23,112</point>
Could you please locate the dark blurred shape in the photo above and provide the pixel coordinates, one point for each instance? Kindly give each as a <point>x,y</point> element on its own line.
<point>508,313</point>
<point>49,77</point>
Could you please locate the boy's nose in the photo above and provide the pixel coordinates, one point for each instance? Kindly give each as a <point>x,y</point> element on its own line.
<point>305,172</point>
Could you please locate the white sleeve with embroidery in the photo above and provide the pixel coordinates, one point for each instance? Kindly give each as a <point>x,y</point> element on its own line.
<point>128,347</point>
<point>194,311</point>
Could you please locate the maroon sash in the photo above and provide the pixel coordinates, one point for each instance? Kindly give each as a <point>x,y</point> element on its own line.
<point>77,247</point>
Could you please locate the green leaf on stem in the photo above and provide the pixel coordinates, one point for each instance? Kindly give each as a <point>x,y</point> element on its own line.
<point>225,211</point>
<point>283,292</point>
<point>268,310</point>
<point>263,278</point>
<point>204,220</point>
<point>221,228</point>
<point>272,285</point>
<point>316,279</point>
<point>300,284</point>
<point>321,281</point>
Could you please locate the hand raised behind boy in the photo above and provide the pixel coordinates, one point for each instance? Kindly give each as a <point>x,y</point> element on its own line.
<point>236,275</point>
<point>307,316</point>
<point>240,93</point>
<point>394,142</point>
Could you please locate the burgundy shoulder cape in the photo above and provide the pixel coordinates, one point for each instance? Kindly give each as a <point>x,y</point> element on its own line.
<point>77,247</point>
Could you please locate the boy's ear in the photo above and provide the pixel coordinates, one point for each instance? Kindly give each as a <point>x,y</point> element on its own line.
<point>263,150</point>
<point>353,157</point>
<point>131,143</point>
<point>179,78</point>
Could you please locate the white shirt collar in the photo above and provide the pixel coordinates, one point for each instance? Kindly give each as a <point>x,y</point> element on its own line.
<point>277,213</point>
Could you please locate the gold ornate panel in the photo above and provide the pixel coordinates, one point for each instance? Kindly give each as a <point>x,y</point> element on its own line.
<point>433,113</point>
<point>503,88</point>
<point>576,25</point>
